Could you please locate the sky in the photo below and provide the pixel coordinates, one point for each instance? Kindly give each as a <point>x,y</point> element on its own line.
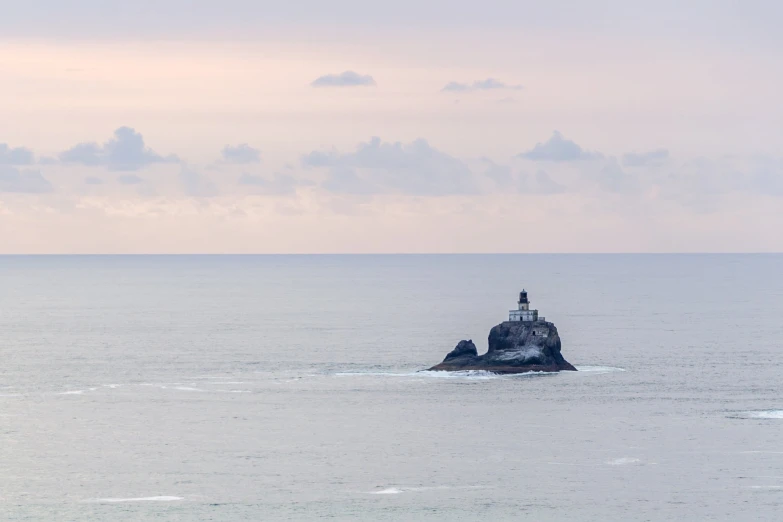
<point>241,126</point>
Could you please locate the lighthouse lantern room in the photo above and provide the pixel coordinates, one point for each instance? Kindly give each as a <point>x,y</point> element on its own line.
<point>523,312</point>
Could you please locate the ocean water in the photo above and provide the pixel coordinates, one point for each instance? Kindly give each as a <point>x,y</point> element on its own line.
<point>234,388</point>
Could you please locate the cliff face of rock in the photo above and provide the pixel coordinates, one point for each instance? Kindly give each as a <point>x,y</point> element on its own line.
<point>514,347</point>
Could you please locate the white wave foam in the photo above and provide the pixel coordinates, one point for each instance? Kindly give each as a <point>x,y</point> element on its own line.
<point>466,374</point>
<point>476,374</point>
<point>187,388</point>
<point>598,369</point>
<point>764,414</point>
<point>624,461</point>
<point>398,490</point>
<point>77,392</point>
<point>387,491</point>
<point>175,386</point>
<point>139,499</point>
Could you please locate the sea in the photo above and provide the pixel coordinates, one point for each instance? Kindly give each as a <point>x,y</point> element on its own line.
<point>284,387</point>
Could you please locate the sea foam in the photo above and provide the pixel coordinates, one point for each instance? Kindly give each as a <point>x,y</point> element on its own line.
<point>138,499</point>
<point>624,461</point>
<point>598,369</point>
<point>764,414</point>
<point>426,374</point>
<point>398,490</point>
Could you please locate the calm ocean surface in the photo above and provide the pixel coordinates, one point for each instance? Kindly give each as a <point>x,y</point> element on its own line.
<point>225,388</point>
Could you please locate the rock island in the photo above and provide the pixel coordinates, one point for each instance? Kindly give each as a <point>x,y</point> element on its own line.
<point>524,343</point>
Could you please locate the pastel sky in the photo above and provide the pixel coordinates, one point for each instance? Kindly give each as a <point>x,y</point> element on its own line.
<point>239,126</point>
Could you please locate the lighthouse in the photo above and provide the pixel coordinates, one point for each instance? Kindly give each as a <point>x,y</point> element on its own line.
<point>523,312</point>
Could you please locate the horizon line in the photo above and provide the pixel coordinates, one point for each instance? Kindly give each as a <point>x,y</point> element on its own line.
<point>238,254</point>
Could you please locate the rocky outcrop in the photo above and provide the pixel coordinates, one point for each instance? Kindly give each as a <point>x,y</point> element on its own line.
<point>514,347</point>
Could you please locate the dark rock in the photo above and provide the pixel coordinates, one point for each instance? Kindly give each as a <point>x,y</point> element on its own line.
<point>514,347</point>
<point>463,348</point>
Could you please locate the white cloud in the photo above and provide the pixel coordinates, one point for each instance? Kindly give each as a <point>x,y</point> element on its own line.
<point>502,175</point>
<point>382,167</point>
<point>558,148</point>
<point>23,181</point>
<point>506,180</point>
<point>279,184</point>
<point>125,151</point>
<point>542,183</point>
<point>479,85</point>
<point>15,156</point>
<point>345,180</point>
<point>653,157</point>
<point>344,79</point>
<point>242,153</point>
<point>196,184</point>
<point>612,178</point>
<point>130,179</point>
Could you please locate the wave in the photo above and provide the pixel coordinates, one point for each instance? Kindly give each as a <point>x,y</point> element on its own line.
<point>177,386</point>
<point>398,490</point>
<point>77,392</point>
<point>763,414</point>
<point>466,374</point>
<point>139,499</point>
<point>387,491</point>
<point>474,374</point>
<point>624,461</point>
<point>598,369</point>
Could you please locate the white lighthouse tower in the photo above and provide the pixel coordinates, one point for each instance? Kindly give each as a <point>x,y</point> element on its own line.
<point>523,312</point>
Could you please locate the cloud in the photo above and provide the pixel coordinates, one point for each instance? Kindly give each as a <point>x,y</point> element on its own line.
<point>345,180</point>
<point>702,178</point>
<point>501,175</point>
<point>479,85</point>
<point>653,157</point>
<point>23,181</point>
<point>15,156</point>
<point>344,79</point>
<point>93,180</point>
<point>196,184</point>
<point>557,148</point>
<point>380,167</point>
<point>125,151</point>
<point>506,180</point>
<point>130,179</point>
<point>612,178</point>
<point>318,158</point>
<point>544,184</point>
<point>242,153</point>
<point>766,178</point>
<point>280,184</point>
